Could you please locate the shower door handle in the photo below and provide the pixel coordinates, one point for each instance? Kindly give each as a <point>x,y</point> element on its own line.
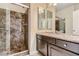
<point>25,24</point>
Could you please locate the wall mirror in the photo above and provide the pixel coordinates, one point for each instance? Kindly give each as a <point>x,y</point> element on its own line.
<point>44,19</point>
<point>60,24</point>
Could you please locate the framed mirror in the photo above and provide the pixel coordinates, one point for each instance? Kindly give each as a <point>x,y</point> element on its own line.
<point>60,24</point>
<point>44,19</point>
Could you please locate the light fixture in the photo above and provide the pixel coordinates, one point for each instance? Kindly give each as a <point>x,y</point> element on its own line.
<point>54,4</point>
<point>50,4</point>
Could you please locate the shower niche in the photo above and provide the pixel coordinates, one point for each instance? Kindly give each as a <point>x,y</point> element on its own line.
<point>13,32</point>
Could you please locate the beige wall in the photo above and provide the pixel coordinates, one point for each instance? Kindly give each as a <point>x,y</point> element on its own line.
<point>33,29</point>
<point>67,13</point>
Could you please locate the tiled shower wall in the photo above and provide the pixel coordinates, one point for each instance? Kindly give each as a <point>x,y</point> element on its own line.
<point>2,30</point>
<point>15,22</point>
<point>17,32</point>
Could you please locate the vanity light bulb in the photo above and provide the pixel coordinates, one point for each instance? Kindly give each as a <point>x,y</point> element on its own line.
<point>50,4</point>
<point>54,4</point>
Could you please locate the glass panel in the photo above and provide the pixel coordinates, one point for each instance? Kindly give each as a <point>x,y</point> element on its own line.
<point>41,19</point>
<point>49,20</point>
<point>2,31</point>
<point>17,32</point>
<point>60,25</point>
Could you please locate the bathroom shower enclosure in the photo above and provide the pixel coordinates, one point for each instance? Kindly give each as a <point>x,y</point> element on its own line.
<point>13,32</point>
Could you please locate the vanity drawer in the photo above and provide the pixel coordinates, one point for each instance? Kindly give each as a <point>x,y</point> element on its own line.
<point>61,43</point>
<point>68,45</point>
<point>38,36</point>
<point>73,47</point>
<point>56,51</point>
<point>49,39</point>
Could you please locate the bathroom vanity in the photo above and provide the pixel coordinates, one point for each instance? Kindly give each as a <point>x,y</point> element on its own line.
<point>54,44</point>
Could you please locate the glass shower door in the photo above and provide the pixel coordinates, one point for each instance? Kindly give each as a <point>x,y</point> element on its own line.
<point>13,29</point>
<point>13,32</point>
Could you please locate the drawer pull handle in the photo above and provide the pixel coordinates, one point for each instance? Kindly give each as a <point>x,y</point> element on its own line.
<point>65,45</point>
<point>39,37</point>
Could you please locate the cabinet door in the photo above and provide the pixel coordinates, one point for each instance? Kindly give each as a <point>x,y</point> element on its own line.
<point>56,51</point>
<point>42,46</point>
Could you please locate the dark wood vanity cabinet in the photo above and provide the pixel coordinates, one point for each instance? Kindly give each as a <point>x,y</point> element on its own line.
<point>41,45</point>
<point>73,47</point>
<point>50,46</point>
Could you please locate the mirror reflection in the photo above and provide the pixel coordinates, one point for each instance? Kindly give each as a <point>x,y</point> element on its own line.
<point>44,19</point>
<point>60,24</point>
<point>67,18</point>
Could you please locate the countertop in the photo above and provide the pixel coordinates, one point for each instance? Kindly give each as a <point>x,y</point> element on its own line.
<point>61,36</point>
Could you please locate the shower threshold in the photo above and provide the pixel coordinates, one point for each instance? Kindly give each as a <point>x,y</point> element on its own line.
<point>23,53</point>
